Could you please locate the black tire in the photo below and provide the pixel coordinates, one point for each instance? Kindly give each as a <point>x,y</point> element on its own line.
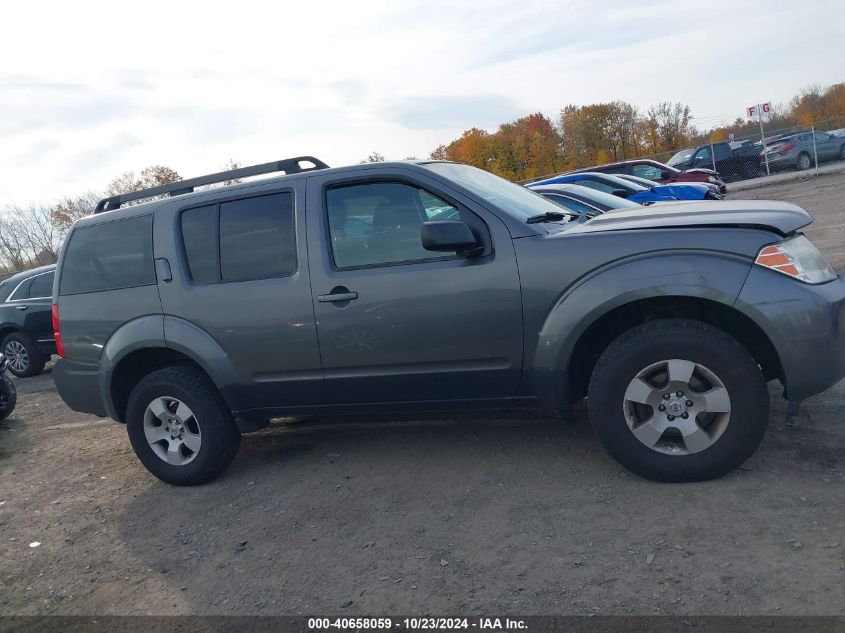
<point>700,343</point>
<point>33,363</point>
<point>220,436</point>
<point>799,161</point>
<point>8,397</point>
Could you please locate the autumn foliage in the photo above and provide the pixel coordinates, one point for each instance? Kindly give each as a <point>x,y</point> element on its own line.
<point>535,145</point>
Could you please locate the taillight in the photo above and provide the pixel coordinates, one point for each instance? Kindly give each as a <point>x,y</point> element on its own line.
<point>785,148</point>
<point>57,331</point>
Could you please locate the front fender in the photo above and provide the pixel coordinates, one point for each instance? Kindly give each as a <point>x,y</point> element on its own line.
<point>715,277</point>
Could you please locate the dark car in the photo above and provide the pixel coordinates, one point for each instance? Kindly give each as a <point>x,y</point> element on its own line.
<point>26,331</point>
<point>734,160</point>
<point>658,172</point>
<point>798,151</point>
<point>583,200</point>
<point>199,316</point>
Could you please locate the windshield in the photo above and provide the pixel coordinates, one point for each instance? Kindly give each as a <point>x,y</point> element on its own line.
<point>681,157</point>
<point>645,182</point>
<point>516,200</point>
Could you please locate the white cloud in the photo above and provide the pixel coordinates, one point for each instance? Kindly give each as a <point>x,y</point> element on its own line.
<point>91,89</point>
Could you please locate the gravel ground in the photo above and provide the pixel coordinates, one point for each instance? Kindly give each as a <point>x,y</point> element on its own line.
<point>473,515</point>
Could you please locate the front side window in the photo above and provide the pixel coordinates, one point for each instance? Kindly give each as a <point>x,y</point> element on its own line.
<point>109,256</point>
<point>237,240</point>
<point>380,223</point>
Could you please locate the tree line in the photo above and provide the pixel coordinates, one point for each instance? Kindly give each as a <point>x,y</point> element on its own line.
<point>581,136</point>
<point>32,236</point>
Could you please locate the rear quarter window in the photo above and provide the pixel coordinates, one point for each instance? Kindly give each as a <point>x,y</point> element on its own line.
<point>109,256</point>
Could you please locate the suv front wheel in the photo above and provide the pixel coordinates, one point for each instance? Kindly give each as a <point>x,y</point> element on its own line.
<point>678,400</point>
<point>179,426</point>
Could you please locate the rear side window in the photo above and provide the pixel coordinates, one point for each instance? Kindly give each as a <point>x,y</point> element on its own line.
<point>252,238</point>
<point>42,286</point>
<point>200,235</point>
<point>22,291</point>
<point>109,256</point>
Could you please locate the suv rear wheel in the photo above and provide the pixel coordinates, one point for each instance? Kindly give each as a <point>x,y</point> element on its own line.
<point>678,400</point>
<point>25,359</point>
<point>179,426</point>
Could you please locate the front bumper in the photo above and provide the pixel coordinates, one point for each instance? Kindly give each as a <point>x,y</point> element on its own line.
<point>806,325</point>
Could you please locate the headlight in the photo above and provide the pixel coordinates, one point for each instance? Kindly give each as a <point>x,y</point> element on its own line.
<point>797,257</point>
<point>712,179</point>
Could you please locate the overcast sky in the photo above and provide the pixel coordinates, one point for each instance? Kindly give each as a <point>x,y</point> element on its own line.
<point>89,90</point>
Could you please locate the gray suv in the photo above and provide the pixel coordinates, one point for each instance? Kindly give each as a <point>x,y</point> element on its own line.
<point>434,286</point>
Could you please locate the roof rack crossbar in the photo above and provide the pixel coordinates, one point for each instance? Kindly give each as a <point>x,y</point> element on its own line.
<point>181,187</point>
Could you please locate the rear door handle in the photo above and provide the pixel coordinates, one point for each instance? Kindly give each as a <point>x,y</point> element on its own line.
<point>338,296</point>
<point>21,307</point>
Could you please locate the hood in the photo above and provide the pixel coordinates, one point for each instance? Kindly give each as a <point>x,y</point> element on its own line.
<point>781,217</point>
<point>701,170</point>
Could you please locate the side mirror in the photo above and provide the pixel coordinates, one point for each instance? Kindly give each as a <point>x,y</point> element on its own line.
<point>620,193</point>
<point>447,236</point>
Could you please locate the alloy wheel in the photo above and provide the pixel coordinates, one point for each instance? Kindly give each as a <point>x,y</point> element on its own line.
<point>677,407</point>
<point>172,430</point>
<point>17,356</point>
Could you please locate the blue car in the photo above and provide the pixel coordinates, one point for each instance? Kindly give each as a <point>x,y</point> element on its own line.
<point>627,189</point>
<point>681,191</point>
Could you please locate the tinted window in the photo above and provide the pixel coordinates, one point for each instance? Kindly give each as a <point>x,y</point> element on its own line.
<point>198,233</point>
<point>256,237</point>
<point>42,286</point>
<point>22,291</point>
<point>108,256</point>
<point>380,223</point>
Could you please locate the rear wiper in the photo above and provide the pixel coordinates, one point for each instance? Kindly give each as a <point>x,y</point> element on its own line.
<point>549,216</point>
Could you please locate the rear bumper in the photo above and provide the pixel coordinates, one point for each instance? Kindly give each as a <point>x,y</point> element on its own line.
<point>48,348</point>
<point>779,160</point>
<point>79,387</point>
<point>806,325</point>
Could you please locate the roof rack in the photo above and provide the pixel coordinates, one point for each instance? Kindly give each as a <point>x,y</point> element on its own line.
<point>288,166</point>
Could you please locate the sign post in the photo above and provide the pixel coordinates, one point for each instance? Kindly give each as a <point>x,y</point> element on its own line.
<point>758,110</point>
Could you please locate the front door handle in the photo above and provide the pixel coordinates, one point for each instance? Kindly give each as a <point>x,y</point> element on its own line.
<point>337,296</point>
<point>21,307</point>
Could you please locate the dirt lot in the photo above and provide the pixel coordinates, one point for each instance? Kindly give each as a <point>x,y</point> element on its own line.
<point>493,514</point>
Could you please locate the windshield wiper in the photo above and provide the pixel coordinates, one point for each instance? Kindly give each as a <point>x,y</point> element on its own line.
<point>549,216</point>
